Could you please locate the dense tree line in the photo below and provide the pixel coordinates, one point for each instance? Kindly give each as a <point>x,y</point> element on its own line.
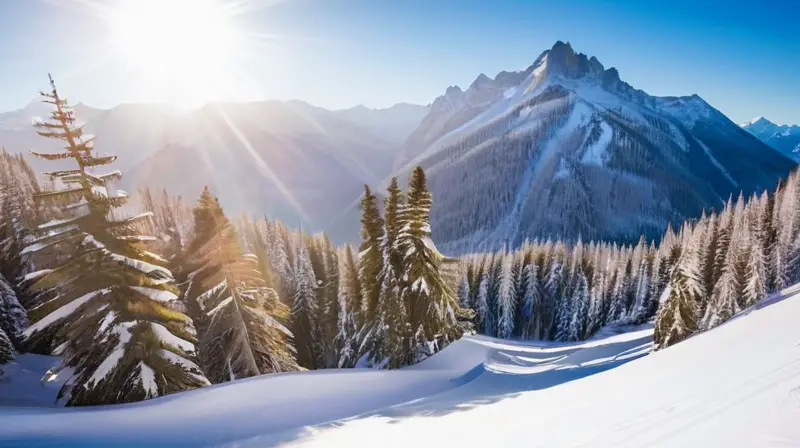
<point>694,280</point>
<point>728,261</point>
<point>553,291</point>
<point>18,185</point>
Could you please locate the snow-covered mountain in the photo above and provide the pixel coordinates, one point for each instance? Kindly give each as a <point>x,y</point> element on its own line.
<point>736,385</point>
<point>566,148</point>
<point>785,138</point>
<point>287,159</point>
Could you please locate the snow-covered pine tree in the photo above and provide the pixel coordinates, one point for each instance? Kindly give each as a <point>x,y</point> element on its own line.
<point>255,234</point>
<point>677,317</point>
<point>597,297</point>
<point>370,266</point>
<point>390,345</point>
<point>18,186</point>
<point>532,303</point>
<point>238,315</point>
<point>13,317</point>
<point>621,287</point>
<point>482,303</point>
<point>724,298</point>
<point>316,254</point>
<point>6,350</point>
<point>579,307</point>
<point>464,292</point>
<point>283,254</point>
<point>506,300</point>
<point>112,319</point>
<point>491,318</point>
<point>521,258</point>
<point>556,292</point>
<point>305,309</point>
<point>433,310</point>
<point>350,316</point>
<point>640,307</point>
<point>756,274</point>
<point>332,306</point>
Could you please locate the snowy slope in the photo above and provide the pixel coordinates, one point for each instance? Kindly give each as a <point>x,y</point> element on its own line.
<point>784,138</point>
<point>737,385</point>
<point>611,161</point>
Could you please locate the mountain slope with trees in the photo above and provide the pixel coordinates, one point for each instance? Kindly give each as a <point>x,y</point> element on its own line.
<point>566,149</point>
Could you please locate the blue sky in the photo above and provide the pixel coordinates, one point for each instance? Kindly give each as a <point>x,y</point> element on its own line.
<point>742,57</point>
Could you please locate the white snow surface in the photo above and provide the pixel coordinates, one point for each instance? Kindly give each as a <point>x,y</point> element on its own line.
<point>736,385</point>
<point>167,337</point>
<point>159,295</point>
<point>148,377</point>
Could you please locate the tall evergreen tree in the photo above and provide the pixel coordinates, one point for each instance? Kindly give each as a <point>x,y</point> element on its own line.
<point>579,307</point>
<point>507,300</point>
<point>238,315</point>
<point>532,303</point>
<point>370,265</point>
<point>305,309</point>
<point>332,306</point>
<point>351,316</point>
<point>391,336</point>
<point>677,317</point>
<point>112,319</point>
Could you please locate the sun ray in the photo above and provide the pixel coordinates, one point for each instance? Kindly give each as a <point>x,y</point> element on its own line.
<point>264,167</point>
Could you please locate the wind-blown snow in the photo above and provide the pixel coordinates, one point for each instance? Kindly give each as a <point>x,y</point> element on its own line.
<point>140,265</point>
<point>36,274</point>
<point>736,385</point>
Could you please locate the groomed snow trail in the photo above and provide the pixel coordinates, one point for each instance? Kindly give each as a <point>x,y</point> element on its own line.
<point>737,385</point>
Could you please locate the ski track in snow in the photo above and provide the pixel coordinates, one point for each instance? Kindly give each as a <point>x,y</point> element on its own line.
<point>736,385</point>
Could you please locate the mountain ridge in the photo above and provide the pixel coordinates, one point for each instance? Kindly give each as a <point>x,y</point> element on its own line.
<point>783,137</point>
<point>567,135</point>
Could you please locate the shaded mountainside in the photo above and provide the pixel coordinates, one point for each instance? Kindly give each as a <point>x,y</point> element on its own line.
<point>784,138</point>
<point>567,149</point>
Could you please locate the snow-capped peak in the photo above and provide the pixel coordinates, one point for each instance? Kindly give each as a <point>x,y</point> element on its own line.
<point>757,121</point>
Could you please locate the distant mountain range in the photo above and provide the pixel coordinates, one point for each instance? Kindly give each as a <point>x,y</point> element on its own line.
<point>286,159</point>
<point>784,138</point>
<point>564,148</point>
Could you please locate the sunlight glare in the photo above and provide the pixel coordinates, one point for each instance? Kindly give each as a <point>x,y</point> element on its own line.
<point>183,44</point>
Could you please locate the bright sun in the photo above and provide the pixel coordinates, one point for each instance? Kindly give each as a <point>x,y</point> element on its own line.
<point>184,46</point>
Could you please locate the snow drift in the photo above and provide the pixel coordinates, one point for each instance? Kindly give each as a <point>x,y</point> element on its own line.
<point>737,385</point>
